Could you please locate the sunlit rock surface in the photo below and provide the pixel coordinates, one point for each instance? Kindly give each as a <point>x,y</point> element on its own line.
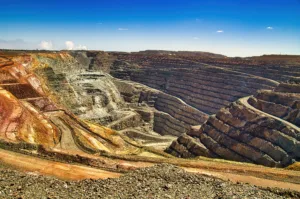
<point>189,103</point>
<point>28,114</point>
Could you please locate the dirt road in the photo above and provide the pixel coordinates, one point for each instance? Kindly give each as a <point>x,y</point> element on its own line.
<point>244,101</point>
<point>51,168</point>
<point>77,172</point>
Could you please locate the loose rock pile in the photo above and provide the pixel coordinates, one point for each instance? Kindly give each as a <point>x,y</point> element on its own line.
<point>160,181</point>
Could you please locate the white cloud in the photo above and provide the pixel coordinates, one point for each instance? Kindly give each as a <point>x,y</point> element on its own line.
<point>122,29</point>
<point>270,28</point>
<point>46,45</point>
<point>80,47</point>
<point>69,45</point>
<point>196,38</point>
<point>220,31</point>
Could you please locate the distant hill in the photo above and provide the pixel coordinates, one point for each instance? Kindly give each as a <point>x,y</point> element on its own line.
<point>277,57</point>
<point>181,53</point>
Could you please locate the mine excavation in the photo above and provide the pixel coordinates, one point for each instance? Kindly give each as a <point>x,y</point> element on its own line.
<point>151,99</point>
<point>123,112</point>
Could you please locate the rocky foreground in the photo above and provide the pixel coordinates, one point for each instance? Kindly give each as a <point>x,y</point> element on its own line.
<point>160,181</point>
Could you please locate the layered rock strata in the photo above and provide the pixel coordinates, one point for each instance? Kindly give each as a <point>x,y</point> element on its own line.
<point>207,89</point>
<point>28,115</point>
<point>241,132</point>
<point>170,115</point>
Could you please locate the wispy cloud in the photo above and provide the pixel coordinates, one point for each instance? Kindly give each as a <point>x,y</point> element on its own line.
<point>270,28</point>
<point>43,45</point>
<point>123,29</point>
<point>220,31</point>
<point>99,23</point>
<point>81,47</point>
<point>196,38</point>
<point>70,45</point>
<point>46,45</point>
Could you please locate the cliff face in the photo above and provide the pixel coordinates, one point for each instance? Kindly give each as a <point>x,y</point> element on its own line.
<point>71,100</point>
<point>19,121</point>
<point>263,129</point>
<point>28,113</point>
<point>75,80</point>
<point>88,93</point>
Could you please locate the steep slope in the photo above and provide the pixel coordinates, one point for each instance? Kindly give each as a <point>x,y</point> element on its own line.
<point>180,96</point>
<point>56,107</point>
<point>207,88</point>
<point>282,103</point>
<point>244,133</point>
<point>28,115</point>
<point>93,95</point>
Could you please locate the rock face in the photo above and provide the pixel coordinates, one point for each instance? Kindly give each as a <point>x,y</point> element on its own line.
<point>283,102</point>
<point>280,104</point>
<point>261,130</point>
<point>29,115</point>
<point>18,120</point>
<point>206,88</point>
<point>170,115</point>
<point>94,95</point>
<point>156,98</point>
<point>257,130</point>
<point>89,93</point>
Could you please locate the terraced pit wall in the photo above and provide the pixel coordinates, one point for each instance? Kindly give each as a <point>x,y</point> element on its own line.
<point>262,129</point>
<point>207,89</point>
<point>170,115</point>
<point>94,95</point>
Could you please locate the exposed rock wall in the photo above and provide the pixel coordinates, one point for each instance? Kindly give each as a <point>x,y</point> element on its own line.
<point>275,67</point>
<point>28,115</point>
<point>86,91</point>
<point>284,102</point>
<point>276,72</point>
<point>165,124</point>
<point>172,116</point>
<point>241,132</point>
<point>207,89</point>
<point>95,96</point>
<point>179,109</point>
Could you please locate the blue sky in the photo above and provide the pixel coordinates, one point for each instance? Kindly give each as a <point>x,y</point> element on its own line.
<point>233,28</point>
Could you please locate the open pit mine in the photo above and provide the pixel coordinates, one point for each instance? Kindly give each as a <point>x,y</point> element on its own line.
<point>81,115</point>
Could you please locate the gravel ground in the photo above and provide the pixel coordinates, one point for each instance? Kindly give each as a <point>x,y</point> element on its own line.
<point>160,181</point>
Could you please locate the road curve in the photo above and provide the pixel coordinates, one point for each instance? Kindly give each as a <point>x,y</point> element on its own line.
<point>244,101</point>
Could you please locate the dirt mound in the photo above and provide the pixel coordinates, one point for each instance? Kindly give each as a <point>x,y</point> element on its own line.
<point>160,181</point>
